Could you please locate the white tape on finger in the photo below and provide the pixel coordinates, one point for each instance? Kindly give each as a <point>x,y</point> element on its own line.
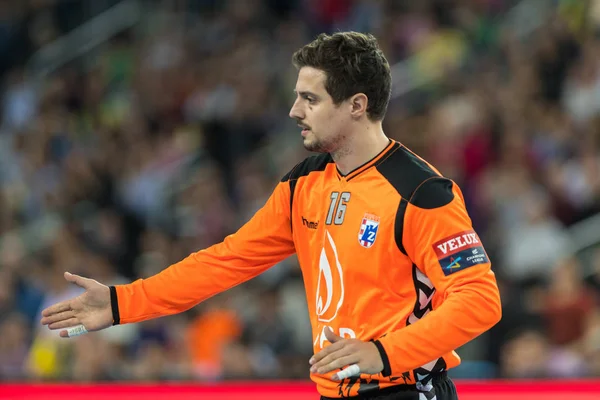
<point>348,372</point>
<point>76,331</point>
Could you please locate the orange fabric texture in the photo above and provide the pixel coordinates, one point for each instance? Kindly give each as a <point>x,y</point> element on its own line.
<point>387,253</point>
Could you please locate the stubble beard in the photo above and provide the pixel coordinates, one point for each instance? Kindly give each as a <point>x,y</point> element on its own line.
<point>314,145</point>
<point>311,143</point>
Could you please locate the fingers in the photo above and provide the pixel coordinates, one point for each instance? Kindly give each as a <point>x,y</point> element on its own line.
<point>80,281</point>
<point>327,351</point>
<point>351,370</point>
<point>335,363</point>
<point>61,316</point>
<point>65,323</point>
<point>76,331</point>
<point>337,344</point>
<point>332,337</point>
<point>342,352</point>
<point>57,308</point>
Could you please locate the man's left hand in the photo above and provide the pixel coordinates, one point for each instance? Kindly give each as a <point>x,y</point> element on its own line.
<point>346,352</point>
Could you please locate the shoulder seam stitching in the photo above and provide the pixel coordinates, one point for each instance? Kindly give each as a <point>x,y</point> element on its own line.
<point>425,181</point>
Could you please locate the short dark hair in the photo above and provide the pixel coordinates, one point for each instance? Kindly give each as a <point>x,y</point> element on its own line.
<point>353,63</point>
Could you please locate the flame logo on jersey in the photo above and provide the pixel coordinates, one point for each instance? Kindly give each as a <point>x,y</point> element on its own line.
<point>330,286</point>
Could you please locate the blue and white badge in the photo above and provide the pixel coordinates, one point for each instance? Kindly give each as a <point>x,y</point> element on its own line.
<point>368,230</point>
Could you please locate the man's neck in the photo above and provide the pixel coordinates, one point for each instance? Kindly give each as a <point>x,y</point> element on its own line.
<point>360,148</point>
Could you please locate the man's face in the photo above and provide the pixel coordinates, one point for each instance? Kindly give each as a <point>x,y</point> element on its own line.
<point>322,122</point>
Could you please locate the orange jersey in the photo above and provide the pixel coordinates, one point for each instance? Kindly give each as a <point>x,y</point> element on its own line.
<point>388,254</point>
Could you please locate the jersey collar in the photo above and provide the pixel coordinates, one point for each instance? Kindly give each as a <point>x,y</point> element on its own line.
<point>372,162</point>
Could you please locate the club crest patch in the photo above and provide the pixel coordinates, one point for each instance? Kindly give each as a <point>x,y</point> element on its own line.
<point>460,251</point>
<point>368,230</point>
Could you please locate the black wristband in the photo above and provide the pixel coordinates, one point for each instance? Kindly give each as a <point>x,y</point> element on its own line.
<point>387,369</point>
<point>114,305</point>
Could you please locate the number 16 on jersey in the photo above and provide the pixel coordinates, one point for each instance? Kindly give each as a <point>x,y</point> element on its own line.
<point>337,208</point>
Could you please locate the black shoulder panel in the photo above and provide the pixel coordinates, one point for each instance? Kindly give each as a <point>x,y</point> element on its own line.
<point>405,171</point>
<point>416,182</point>
<point>310,164</point>
<point>433,193</point>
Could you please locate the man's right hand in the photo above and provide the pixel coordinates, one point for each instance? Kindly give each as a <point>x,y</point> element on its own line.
<point>91,309</point>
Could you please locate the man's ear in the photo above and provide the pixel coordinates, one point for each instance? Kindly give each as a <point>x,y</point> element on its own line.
<point>358,105</point>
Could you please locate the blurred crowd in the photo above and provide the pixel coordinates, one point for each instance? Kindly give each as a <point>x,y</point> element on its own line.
<point>167,137</point>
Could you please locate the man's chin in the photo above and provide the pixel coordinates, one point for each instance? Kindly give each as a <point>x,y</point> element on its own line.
<point>313,146</point>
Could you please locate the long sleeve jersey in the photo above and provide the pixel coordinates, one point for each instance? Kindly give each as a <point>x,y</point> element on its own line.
<point>388,254</point>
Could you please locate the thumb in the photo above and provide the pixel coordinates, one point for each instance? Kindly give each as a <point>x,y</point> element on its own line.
<point>331,337</point>
<point>78,280</point>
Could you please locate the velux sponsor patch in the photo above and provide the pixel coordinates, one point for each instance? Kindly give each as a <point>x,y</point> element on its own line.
<point>459,251</point>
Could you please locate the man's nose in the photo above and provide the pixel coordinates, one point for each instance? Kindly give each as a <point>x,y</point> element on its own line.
<point>296,111</point>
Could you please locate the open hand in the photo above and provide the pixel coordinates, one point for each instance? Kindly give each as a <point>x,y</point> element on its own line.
<point>92,309</point>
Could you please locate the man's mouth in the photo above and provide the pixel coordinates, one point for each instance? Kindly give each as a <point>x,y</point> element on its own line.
<point>305,129</point>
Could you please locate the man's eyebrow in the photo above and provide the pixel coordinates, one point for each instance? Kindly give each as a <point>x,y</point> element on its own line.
<point>305,93</point>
